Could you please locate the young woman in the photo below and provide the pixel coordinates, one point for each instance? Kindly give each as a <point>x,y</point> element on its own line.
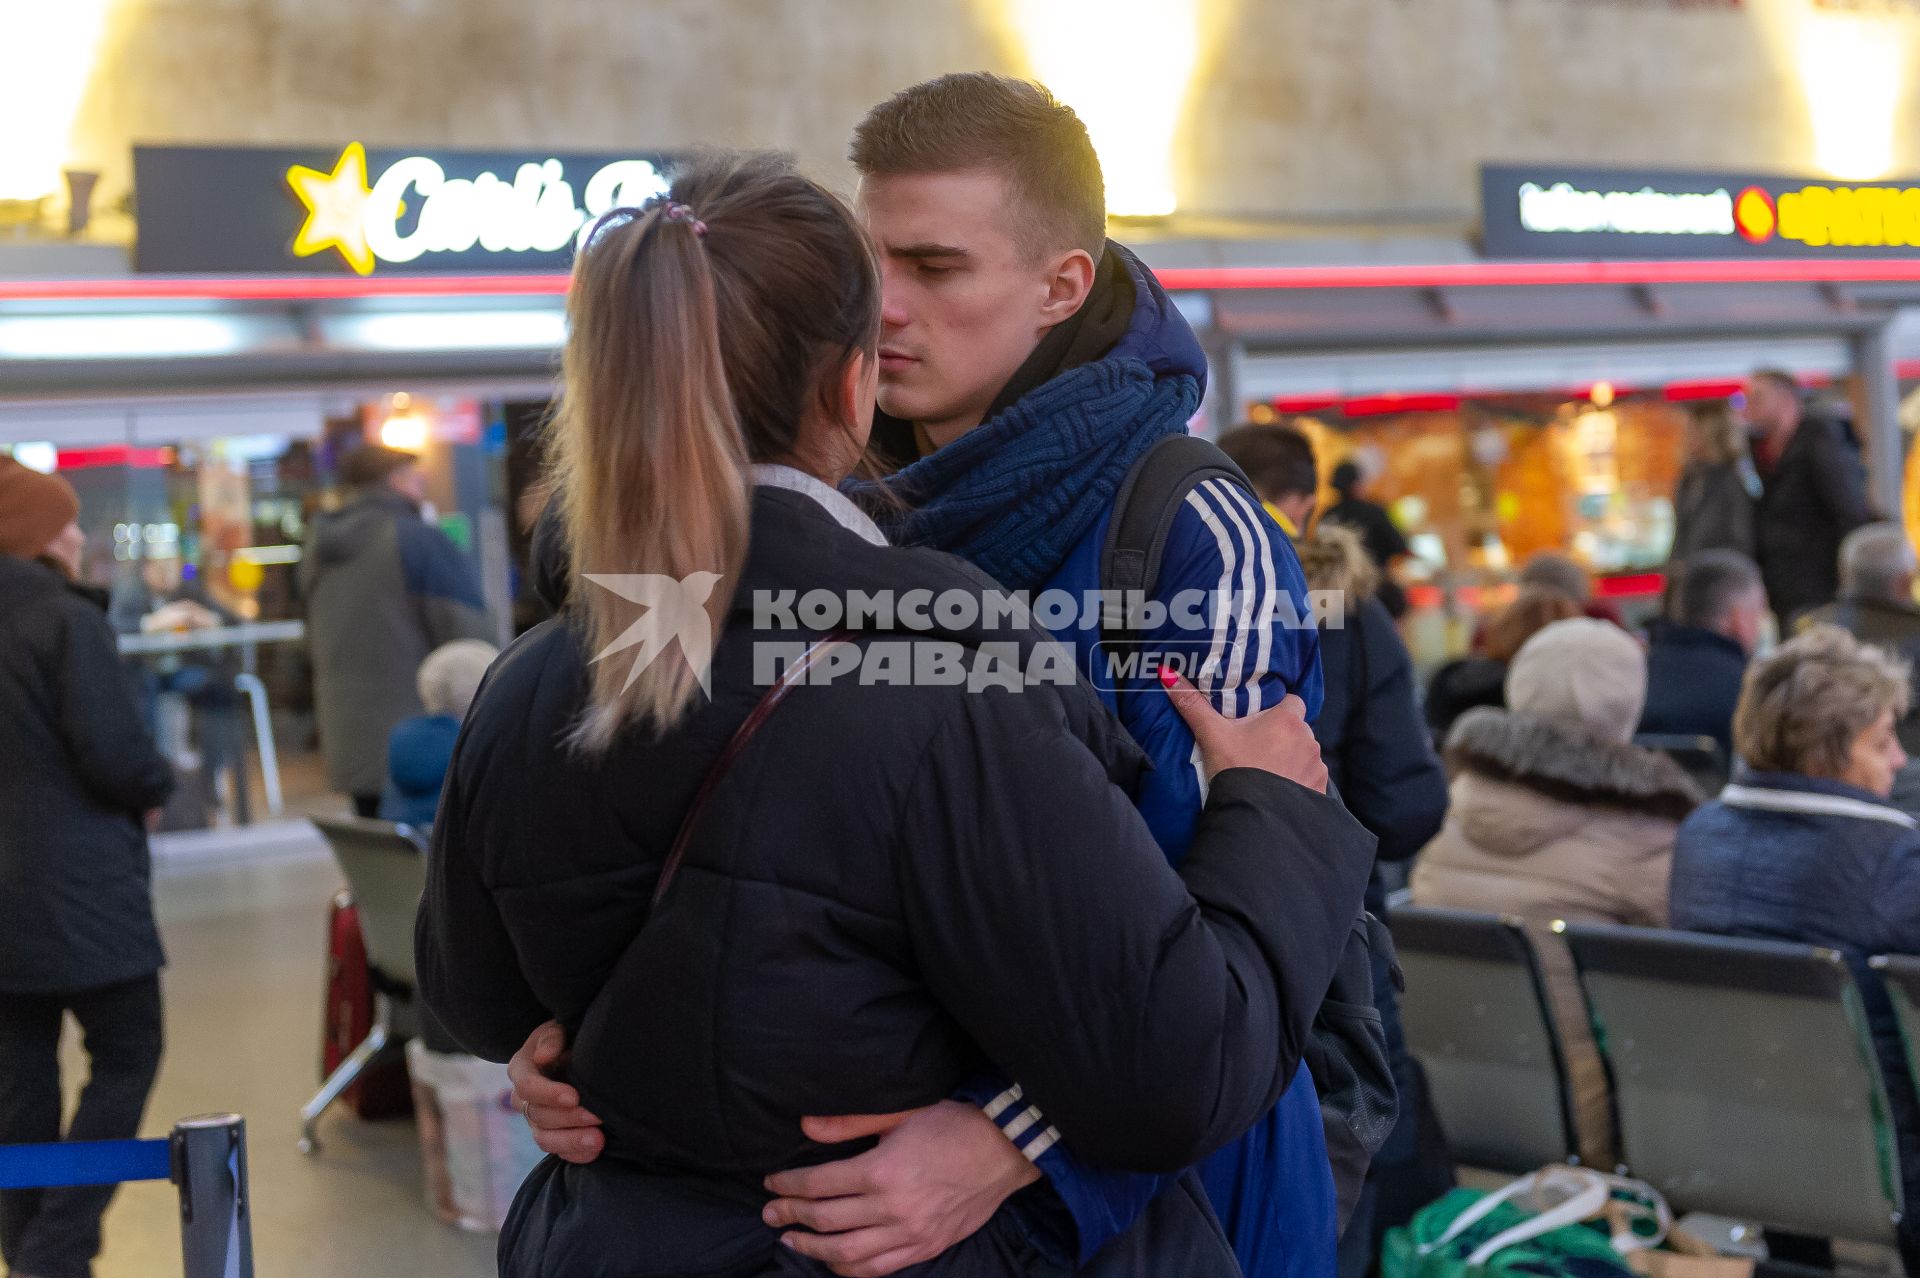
<point>748,905</point>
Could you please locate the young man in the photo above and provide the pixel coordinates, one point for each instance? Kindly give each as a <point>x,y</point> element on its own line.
<point>1026,363</point>
<point>1279,461</point>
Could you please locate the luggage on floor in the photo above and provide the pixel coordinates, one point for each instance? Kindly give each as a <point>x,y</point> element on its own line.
<point>1559,1221</point>
<point>381,1091</point>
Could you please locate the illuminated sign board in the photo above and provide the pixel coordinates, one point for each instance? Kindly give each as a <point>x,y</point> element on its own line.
<point>359,211</point>
<point>1601,213</point>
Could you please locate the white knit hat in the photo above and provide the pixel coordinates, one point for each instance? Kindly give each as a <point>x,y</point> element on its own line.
<point>1590,672</point>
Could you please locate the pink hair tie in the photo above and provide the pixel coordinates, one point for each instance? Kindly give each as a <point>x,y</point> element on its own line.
<point>677,212</point>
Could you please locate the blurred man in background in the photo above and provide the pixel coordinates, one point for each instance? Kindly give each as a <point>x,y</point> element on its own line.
<point>1279,461</point>
<point>383,588</point>
<point>1384,542</point>
<point>1697,654</point>
<point>1877,571</point>
<point>1813,492</point>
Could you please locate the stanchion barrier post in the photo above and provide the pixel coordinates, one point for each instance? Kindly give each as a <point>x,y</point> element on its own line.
<point>210,1169</point>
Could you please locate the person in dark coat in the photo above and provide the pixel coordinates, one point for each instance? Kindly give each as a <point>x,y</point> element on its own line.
<point>1385,544</point>
<point>1387,772</point>
<point>383,589</point>
<point>1804,846</point>
<point>872,890</point>
<point>1813,492</point>
<point>1697,654</point>
<point>1279,462</point>
<point>1877,570</point>
<point>1480,678</point>
<point>77,933</point>
<point>1712,506</point>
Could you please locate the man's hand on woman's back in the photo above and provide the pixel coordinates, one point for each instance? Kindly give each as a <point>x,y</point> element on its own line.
<point>561,1127</point>
<point>937,1175</point>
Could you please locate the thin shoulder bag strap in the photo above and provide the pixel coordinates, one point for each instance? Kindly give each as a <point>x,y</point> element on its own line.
<point>794,675</point>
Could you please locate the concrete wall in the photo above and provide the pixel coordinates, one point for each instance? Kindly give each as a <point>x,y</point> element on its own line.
<point>1300,109</point>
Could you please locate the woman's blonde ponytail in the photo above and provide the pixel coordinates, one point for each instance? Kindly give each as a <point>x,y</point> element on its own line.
<point>705,331</point>
<point>650,460</point>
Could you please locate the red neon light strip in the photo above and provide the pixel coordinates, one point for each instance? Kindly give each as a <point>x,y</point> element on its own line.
<point>268,288</point>
<point>1382,405</point>
<point>1483,599</point>
<point>1630,586</point>
<point>1683,392</point>
<point>111,455</point>
<point>1549,274</point>
<point>1446,275</point>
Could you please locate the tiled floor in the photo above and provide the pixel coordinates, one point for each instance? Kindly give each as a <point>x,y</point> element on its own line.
<point>246,943</point>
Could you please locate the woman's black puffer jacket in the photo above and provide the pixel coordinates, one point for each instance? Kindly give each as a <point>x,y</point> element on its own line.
<point>891,888</point>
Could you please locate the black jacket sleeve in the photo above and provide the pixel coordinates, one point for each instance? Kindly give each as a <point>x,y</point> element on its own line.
<point>1391,778</point>
<point>1839,477</point>
<point>1152,1015</point>
<point>106,738</point>
<point>465,966</point>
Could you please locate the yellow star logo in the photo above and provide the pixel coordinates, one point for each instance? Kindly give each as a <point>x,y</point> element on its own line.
<point>336,209</point>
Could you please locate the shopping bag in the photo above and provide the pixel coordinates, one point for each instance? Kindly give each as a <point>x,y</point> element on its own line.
<point>475,1146</point>
<point>1557,1221</point>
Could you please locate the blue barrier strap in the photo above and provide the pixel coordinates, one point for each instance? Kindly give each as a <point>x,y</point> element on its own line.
<point>100,1162</point>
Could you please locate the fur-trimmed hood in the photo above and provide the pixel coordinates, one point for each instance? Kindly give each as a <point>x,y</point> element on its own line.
<point>1335,559</point>
<point>1562,761</point>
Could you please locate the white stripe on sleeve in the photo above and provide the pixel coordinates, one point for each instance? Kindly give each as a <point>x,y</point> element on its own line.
<point>1252,648</point>
<point>1002,1103</point>
<point>1020,1124</point>
<point>1041,1144</point>
<point>1223,590</point>
<point>1267,615</point>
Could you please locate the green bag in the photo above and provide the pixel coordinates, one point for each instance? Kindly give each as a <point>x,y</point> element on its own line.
<point>1535,1226</point>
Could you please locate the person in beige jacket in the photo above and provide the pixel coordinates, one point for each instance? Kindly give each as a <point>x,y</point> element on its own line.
<point>1556,815</point>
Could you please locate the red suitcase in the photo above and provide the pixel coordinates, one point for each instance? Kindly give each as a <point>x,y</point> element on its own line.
<point>382,1090</point>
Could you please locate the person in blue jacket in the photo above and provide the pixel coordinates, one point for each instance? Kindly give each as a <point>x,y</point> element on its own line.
<point>1026,363</point>
<point>420,748</point>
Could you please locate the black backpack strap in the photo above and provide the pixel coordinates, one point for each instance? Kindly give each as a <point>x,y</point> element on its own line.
<point>1144,509</point>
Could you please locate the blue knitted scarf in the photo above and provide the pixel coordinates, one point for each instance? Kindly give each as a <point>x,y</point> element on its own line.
<point>1014,495</point>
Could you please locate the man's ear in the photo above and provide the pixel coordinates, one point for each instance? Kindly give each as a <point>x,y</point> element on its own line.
<point>1068,284</point>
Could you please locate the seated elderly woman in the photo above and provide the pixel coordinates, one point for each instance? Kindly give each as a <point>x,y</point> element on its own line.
<point>1804,846</point>
<point>1555,814</point>
<point>420,749</point>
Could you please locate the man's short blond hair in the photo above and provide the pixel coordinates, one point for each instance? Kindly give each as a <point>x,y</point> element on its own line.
<point>1016,128</point>
<point>1803,705</point>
